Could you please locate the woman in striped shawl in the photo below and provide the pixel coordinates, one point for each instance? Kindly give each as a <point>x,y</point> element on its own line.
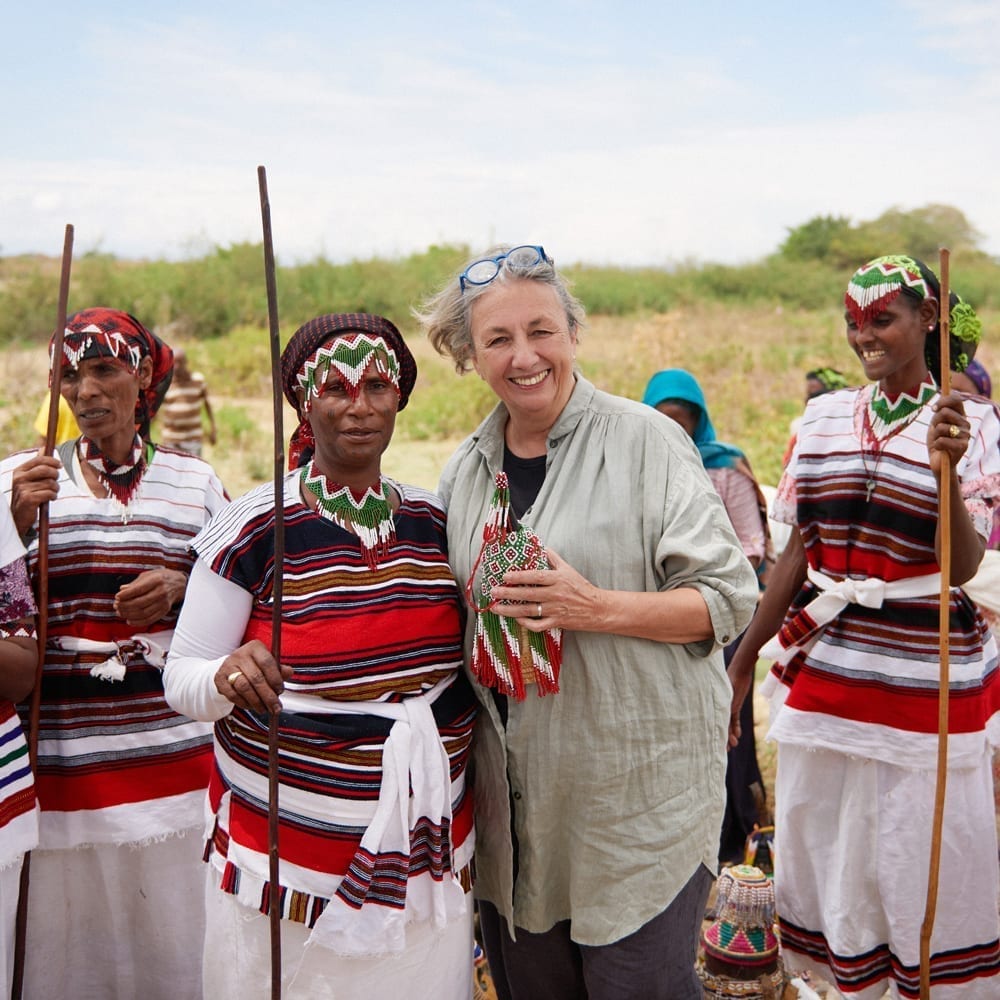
<point>112,909</point>
<point>376,717</point>
<point>854,603</point>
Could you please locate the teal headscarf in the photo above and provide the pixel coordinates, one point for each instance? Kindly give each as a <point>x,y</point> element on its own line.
<point>676,383</point>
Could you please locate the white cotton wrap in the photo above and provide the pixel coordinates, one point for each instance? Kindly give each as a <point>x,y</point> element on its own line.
<point>153,651</point>
<point>835,595</point>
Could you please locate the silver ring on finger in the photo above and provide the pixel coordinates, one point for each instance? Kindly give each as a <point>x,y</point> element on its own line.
<point>538,612</point>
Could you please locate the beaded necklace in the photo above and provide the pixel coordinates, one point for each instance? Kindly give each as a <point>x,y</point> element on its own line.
<point>886,413</point>
<point>884,418</point>
<point>121,481</point>
<point>369,516</point>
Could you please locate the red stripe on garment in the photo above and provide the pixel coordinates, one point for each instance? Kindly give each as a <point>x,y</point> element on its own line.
<point>16,805</point>
<point>321,851</point>
<point>911,709</point>
<point>128,782</point>
<point>879,965</point>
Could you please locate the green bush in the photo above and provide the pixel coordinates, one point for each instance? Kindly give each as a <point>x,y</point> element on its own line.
<point>223,292</point>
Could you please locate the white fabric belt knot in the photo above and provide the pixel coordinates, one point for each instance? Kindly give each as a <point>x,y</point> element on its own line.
<point>153,651</point>
<point>835,595</point>
<point>416,783</point>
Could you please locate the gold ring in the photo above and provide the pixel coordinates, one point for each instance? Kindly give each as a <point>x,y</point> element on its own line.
<point>953,431</point>
<point>232,677</point>
<point>539,610</point>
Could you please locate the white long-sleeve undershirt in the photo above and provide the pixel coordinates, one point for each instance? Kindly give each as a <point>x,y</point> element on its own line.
<point>212,624</point>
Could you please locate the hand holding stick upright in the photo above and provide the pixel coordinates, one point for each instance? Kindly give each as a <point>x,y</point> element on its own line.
<point>274,894</point>
<point>42,595</point>
<point>944,626</point>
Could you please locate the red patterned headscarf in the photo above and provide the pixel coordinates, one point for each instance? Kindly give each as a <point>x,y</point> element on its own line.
<point>121,338</point>
<point>312,335</point>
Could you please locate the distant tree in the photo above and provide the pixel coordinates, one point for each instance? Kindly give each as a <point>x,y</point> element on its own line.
<point>921,232</point>
<point>814,240</point>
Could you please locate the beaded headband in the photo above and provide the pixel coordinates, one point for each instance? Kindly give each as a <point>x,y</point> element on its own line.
<point>350,356</point>
<point>120,338</point>
<point>829,378</point>
<point>877,284</point>
<point>92,342</point>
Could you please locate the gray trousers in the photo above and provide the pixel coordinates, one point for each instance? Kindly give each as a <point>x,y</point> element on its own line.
<point>656,962</point>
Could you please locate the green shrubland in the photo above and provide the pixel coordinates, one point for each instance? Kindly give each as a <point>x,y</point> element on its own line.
<point>223,290</point>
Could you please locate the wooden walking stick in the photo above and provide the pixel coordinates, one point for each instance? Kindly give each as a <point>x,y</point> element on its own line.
<point>944,626</point>
<point>277,586</point>
<point>35,709</point>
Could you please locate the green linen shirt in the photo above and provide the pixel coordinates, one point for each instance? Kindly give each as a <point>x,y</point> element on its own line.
<point>617,781</point>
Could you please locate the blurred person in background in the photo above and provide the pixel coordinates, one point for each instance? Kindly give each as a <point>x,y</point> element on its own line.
<point>984,587</point>
<point>179,421</point>
<point>676,393</point>
<point>975,380</point>
<point>818,382</point>
<point>66,427</point>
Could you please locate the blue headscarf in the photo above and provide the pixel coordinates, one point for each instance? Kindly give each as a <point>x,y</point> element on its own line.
<point>676,383</point>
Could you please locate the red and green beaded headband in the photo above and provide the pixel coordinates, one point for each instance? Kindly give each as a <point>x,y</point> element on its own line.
<point>877,284</point>
<point>350,357</point>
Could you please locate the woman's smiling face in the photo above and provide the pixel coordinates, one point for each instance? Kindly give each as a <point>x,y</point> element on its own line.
<point>891,346</point>
<point>524,349</point>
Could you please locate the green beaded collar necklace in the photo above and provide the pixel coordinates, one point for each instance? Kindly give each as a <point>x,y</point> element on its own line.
<point>888,416</point>
<point>368,516</point>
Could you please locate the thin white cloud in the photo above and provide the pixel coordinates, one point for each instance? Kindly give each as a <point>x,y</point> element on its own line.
<point>970,27</point>
<point>387,148</point>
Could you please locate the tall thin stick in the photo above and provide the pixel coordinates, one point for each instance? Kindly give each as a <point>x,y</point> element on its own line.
<point>42,588</point>
<point>944,627</point>
<point>274,899</point>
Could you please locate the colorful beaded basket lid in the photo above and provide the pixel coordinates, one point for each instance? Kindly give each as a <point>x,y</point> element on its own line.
<point>743,934</point>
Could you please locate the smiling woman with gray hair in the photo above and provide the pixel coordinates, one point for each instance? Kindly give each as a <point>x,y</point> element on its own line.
<point>611,578</point>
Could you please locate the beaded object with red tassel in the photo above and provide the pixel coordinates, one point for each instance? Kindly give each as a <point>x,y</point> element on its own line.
<point>506,655</point>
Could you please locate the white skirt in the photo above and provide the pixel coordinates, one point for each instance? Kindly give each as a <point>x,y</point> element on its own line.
<point>435,964</point>
<point>10,881</point>
<point>852,842</point>
<point>117,922</point>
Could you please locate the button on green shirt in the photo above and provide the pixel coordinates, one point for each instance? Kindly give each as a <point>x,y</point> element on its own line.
<point>618,780</point>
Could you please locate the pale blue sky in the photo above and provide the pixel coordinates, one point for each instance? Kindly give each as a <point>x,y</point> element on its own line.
<point>629,133</point>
